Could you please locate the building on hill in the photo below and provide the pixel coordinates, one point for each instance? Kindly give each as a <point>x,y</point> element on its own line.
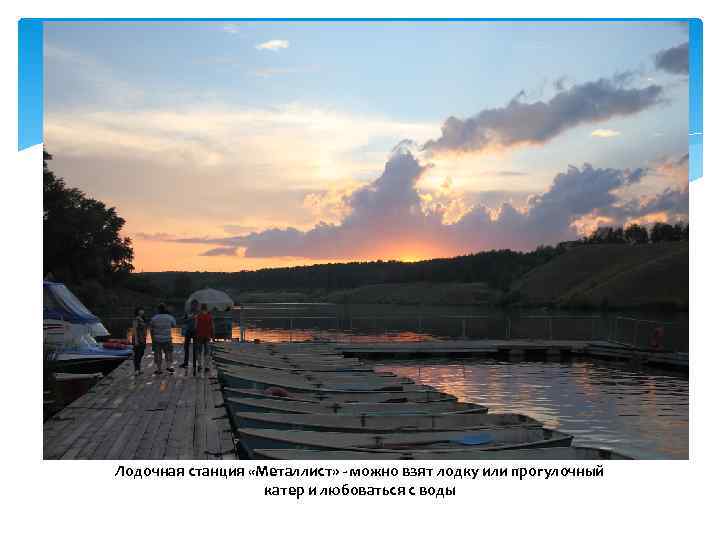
<point>570,244</point>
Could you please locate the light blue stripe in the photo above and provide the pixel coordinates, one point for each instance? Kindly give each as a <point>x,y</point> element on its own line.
<point>695,89</point>
<point>30,83</point>
<point>363,19</point>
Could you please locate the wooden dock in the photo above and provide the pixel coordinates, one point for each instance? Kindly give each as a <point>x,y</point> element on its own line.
<point>169,416</point>
<point>455,348</point>
<point>179,416</point>
<point>515,349</point>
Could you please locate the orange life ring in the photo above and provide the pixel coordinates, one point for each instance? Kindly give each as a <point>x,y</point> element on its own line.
<point>656,340</point>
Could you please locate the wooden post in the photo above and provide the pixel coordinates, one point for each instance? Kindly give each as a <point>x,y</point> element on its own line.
<point>615,337</point>
<point>635,334</point>
<point>516,353</point>
<point>464,329</point>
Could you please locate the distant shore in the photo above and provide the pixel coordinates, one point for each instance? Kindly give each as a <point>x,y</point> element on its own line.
<point>589,277</point>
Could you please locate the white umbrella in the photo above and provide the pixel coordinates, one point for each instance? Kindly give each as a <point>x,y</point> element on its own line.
<point>212,297</point>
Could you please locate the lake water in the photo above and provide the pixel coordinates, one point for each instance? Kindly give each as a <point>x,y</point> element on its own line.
<point>639,412</point>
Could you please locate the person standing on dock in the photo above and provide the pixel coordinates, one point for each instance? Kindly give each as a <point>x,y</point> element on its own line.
<point>139,338</point>
<point>161,326</point>
<point>205,332</point>
<point>189,333</point>
<point>241,322</point>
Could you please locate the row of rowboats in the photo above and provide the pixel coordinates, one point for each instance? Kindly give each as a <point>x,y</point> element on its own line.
<point>287,401</point>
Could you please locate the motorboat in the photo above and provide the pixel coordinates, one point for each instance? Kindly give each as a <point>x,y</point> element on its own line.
<point>69,332</point>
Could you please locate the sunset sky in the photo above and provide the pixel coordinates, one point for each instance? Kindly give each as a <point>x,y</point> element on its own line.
<point>230,146</point>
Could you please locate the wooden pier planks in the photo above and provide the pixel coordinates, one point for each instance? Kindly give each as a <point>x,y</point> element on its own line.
<point>150,417</point>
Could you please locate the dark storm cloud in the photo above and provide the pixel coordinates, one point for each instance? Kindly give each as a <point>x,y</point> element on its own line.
<point>520,122</point>
<point>386,210</point>
<point>575,193</point>
<point>673,60</point>
<point>673,202</point>
<point>387,214</point>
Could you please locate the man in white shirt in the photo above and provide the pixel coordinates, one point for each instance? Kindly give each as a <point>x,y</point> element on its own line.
<point>161,326</point>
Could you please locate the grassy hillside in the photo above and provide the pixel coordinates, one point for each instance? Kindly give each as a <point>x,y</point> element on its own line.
<point>611,275</point>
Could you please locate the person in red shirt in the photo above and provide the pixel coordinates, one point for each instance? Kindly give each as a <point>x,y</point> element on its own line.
<point>204,332</point>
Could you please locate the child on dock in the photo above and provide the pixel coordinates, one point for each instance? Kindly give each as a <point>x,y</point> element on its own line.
<point>161,326</point>
<point>204,332</point>
<point>139,338</point>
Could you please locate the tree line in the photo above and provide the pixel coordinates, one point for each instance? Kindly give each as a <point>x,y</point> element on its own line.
<point>82,244</point>
<point>639,234</point>
<point>498,268</point>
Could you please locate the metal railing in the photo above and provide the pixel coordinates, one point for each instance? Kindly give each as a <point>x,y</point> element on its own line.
<point>651,334</point>
<point>640,333</point>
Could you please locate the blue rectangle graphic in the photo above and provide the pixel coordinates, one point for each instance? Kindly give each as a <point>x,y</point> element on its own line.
<point>695,101</point>
<point>30,83</point>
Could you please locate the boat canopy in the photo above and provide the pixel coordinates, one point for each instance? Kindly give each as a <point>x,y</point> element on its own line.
<point>60,303</point>
<point>215,300</point>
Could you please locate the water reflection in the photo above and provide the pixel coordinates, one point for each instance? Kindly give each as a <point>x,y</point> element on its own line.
<point>638,412</point>
<point>275,335</point>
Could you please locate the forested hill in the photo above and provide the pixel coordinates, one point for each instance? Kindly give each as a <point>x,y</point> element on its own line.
<point>606,268</point>
<point>498,269</point>
<point>594,272</point>
<point>611,275</point>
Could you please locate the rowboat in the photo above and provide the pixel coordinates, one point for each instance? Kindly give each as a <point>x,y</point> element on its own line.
<point>285,366</point>
<point>263,379</point>
<point>506,438</point>
<point>292,350</point>
<point>241,405</point>
<point>285,356</point>
<point>317,376</point>
<point>310,374</point>
<point>313,378</point>
<point>572,453</point>
<point>310,365</point>
<point>341,363</point>
<point>382,423</point>
<point>408,396</point>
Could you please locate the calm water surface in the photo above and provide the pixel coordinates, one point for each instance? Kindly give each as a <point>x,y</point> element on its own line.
<point>641,413</point>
